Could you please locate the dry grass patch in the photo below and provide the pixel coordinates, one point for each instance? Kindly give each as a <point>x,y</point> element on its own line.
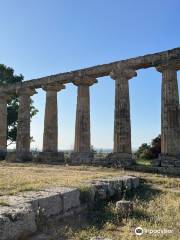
<point>153,210</point>
<point>26,177</point>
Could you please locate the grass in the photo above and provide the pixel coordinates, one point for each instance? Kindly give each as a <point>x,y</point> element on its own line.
<point>143,162</point>
<point>156,202</point>
<point>154,209</point>
<point>3,203</point>
<point>16,177</point>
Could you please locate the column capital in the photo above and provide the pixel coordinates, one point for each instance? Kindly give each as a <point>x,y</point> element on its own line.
<point>119,73</point>
<point>164,66</point>
<point>55,87</point>
<point>84,81</point>
<point>25,91</point>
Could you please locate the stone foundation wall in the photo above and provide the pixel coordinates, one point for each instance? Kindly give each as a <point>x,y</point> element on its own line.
<point>171,171</point>
<point>21,215</point>
<point>49,157</point>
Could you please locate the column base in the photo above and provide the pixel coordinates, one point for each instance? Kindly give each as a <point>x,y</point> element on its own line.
<point>166,160</point>
<point>3,155</point>
<point>49,157</point>
<point>19,157</point>
<point>120,159</point>
<point>81,157</point>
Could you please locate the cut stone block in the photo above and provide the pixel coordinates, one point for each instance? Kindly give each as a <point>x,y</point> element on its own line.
<point>70,198</point>
<point>16,222</point>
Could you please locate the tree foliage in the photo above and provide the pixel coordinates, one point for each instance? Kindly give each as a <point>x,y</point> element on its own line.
<point>149,151</point>
<point>7,76</point>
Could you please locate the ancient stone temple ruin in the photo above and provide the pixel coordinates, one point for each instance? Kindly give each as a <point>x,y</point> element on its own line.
<point>167,63</point>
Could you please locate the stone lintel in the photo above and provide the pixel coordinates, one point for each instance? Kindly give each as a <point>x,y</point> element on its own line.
<point>146,61</point>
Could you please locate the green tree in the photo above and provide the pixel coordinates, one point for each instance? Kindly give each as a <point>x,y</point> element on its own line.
<point>149,151</point>
<point>156,146</point>
<point>7,76</point>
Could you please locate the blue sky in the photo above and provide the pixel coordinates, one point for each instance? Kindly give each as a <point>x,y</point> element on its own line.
<point>44,37</point>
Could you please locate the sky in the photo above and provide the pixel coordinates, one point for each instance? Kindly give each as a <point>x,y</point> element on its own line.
<point>44,37</point>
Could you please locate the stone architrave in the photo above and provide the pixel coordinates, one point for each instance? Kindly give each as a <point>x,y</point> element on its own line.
<point>122,153</point>
<point>82,146</point>
<point>50,137</point>
<point>170,119</point>
<point>3,124</point>
<point>23,129</point>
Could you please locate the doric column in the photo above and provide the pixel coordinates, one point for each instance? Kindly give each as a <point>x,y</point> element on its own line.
<point>3,125</point>
<point>122,152</point>
<point>169,111</point>
<point>50,137</point>
<point>82,145</point>
<point>23,129</point>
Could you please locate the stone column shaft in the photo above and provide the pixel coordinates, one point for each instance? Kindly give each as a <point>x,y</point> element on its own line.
<point>82,128</point>
<point>122,122</point>
<point>169,111</point>
<point>82,145</point>
<point>3,125</point>
<point>23,129</point>
<point>50,137</point>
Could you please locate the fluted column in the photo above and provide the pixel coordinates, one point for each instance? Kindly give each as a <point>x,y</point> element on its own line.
<point>122,152</point>
<point>50,137</point>
<point>3,125</point>
<point>169,111</point>
<point>82,145</point>
<point>23,129</point>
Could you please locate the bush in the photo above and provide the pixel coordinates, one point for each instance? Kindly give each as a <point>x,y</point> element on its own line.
<point>149,151</point>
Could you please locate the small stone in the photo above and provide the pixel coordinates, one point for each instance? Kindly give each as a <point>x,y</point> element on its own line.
<point>124,208</point>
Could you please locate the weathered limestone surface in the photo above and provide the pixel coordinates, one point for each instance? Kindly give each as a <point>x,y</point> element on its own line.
<point>175,171</point>
<point>49,157</point>
<point>170,128</point>
<point>50,138</point>
<point>107,188</point>
<point>3,125</point>
<point>82,143</point>
<point>17,222</point>
<point>122,123</point>
<point>27,211</point>
<point>124,208</point>
<point>23,130</point>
